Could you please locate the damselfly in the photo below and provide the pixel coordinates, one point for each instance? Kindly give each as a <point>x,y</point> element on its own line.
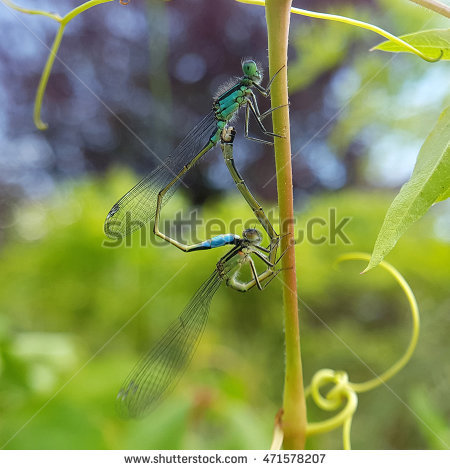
<point>138,206</point>
<point>159,370</point>
<point>226,144</point>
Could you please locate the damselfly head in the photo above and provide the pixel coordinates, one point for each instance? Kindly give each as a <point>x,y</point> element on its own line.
<point>251,70</point>
<point>252,235</point>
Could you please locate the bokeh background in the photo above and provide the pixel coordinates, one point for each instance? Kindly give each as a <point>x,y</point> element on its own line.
<point>149,70</point>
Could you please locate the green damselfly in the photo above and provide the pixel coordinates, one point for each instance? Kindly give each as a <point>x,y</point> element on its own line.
<point>140,205</point>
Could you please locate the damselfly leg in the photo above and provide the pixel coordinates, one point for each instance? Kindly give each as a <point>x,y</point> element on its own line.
<point>242,254</point>
<point>266,91</point>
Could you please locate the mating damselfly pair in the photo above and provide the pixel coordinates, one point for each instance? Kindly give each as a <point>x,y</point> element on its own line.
<point>160,368</point>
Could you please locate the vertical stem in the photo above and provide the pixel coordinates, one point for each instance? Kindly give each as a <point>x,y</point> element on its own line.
<point>294,416</point>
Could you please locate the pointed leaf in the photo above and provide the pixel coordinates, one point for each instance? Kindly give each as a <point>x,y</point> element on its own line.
<point>430,43</point>
<point>445,195</point>
<point>429,183</point>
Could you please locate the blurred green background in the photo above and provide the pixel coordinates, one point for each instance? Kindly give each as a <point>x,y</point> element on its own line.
<point>76,316</point>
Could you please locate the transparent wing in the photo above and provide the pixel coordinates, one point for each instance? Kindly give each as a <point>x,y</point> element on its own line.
<point>137,206</point>
<point>161,368</point>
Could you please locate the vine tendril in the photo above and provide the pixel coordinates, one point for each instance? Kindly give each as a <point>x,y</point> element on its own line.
<point>357,23</point>
<point>345,392</point>
<point>63,21</point>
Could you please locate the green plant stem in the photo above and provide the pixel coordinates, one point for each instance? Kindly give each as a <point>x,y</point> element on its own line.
<point>294,416</point>
<point>434,5</point>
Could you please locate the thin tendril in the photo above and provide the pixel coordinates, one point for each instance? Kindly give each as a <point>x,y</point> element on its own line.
<point>353,22</point>
<point>346,431</point>
<point>334,398</point>
<point>53,16</point>
<point>63,21</point>
<point>42,126</point>
<point>371,384</point>
<point>346,391</point>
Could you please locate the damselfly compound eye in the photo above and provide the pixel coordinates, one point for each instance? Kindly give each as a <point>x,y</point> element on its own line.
<point>250,68</point>
<point>252,235</point>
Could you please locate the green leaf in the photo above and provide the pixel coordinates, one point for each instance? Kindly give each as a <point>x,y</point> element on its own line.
<point>445,195</point>
<point>430,182</point>
<point>430,43</point>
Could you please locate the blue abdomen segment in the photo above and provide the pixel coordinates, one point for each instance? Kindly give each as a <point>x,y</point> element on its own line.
<point>221,240</point>
<point>216,242</point>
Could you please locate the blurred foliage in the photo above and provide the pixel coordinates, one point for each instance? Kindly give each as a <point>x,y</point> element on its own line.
<point>155,65</point>
<point>66,302</point>
<point>358,120</point>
